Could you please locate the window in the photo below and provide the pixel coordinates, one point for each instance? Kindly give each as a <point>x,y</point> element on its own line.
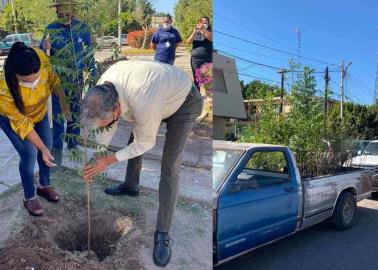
<point>266,168</point>
<point>219,82</point>
<point>8,39</point>
<point>223,161</point>
<point>371,149</point>
<point>24,38</point>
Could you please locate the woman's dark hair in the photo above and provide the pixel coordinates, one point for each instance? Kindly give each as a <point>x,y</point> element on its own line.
<point>21,60</point>
<point>207,18</point>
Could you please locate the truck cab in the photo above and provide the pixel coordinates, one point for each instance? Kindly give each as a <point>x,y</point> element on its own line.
<point>259,197</point>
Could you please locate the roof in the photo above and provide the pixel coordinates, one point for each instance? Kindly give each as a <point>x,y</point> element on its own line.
<point>240,146</point>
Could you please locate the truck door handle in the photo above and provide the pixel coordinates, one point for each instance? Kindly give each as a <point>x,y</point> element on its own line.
<point>289,189</point>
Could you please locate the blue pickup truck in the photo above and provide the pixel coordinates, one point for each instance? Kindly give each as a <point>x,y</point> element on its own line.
<point>259,197</point>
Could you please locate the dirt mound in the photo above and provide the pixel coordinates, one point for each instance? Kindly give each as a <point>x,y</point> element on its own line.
<point>58,240</point>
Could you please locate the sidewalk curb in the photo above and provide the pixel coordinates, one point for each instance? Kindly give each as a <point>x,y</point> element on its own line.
<point>158,157</point>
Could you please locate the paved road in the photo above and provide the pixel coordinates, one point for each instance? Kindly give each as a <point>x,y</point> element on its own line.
<point>321,247</point>
<point>102,54</point>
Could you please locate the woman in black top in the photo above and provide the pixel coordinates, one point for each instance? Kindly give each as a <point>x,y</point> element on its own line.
<point>202,40</point>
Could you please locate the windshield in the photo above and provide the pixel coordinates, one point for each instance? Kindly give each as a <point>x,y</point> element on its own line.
<point>8,39</point>
<point>371,149</point>
<point>223,160</point>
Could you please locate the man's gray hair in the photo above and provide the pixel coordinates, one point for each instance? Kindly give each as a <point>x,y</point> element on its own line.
<point>98,103</point>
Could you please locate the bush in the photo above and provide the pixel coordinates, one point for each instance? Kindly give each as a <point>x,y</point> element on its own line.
<point>135,38</point>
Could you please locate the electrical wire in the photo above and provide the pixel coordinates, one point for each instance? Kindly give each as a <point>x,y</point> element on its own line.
<point>274,49</point>
<point>252,53</point>
<point>269,66</point>
<point>255,32</point>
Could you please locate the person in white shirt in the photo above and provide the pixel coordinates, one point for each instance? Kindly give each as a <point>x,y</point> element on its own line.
<point>145,93</point>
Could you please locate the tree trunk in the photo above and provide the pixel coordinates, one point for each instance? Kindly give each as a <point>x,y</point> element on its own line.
<point>145,37</point>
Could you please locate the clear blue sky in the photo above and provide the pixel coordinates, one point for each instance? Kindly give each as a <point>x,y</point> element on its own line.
<point>331,31</point>
<point>164,5</point>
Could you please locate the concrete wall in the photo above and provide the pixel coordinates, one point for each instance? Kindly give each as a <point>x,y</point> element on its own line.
<point>227,103</point>
<point>219,128</point>
<point>228,98</point>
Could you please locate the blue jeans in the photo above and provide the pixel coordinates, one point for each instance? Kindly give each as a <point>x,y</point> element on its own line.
<point>29,154</point>
<point>58,123</point>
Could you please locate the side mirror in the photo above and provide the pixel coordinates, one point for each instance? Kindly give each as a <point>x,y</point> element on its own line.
<point>244,182</point>
<point>359,152</point>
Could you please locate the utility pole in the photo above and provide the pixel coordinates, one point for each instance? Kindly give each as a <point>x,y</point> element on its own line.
<point>282,72</point>
<point>343,71</point>
<point>14,17</point>
<point>376,81</point>
<point>299,47</point>
<point>376,85</point>
<point>119,24</point>
<point>326,81</point>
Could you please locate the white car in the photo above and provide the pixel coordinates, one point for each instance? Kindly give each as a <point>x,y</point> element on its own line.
<point>368,159</point>
<point>107,41</point>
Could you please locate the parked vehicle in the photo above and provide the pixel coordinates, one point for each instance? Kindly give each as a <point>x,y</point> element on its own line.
<point>368,159</point>
<point>259,197</point>
<point>124,39</point>
<point>7,42</point>
<point>357,146</point>
<point>107,41</point>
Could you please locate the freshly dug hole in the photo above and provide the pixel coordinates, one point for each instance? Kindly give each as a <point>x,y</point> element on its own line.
<point>106,230</point>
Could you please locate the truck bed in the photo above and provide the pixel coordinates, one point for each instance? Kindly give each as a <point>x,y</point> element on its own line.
<point>321,193</point>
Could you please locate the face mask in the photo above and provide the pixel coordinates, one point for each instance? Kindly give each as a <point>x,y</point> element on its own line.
<point>167,26</point>
<point>29,84</point>
<point>205,25</point>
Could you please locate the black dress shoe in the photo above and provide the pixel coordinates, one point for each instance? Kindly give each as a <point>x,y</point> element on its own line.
<point>121,190</point>
<point>162,250</point>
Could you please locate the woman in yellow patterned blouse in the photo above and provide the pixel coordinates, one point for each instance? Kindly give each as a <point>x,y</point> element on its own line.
<point>25,87</point>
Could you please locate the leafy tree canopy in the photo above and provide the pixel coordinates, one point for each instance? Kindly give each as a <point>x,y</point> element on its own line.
<point>188,12</point>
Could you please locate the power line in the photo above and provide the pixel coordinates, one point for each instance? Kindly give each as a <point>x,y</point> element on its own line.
<point>247,67</point>
<point>356,89</point>
<point>249,75</point>
<point>249,61</point>
<point>259,78</point>
<point>352,89</point>
<point>254,31</point>
<point>348,90</point>
<point>268,66</point>
<point>274,49</point>
<point>253,53</point>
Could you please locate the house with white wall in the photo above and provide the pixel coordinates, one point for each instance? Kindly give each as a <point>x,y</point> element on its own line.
<point>228,98</point>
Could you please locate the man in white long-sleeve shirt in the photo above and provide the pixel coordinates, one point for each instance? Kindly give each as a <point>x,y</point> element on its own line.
<point>145,93</point>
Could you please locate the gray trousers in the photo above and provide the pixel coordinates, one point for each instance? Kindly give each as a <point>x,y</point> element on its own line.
<point>179,126</point>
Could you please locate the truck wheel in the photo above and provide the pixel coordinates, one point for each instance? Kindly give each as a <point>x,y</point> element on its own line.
<point>344,214</point>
